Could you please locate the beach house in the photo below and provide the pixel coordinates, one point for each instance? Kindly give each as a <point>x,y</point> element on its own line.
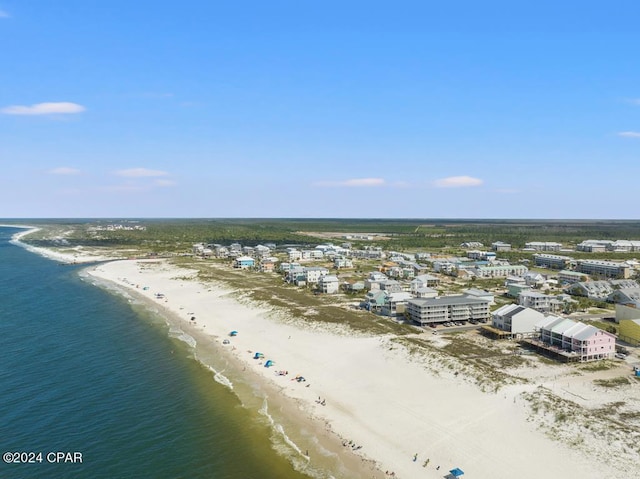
<point>328,284</point>
<point>244,262</point>
<point>515,319</point>
<point>582,341</point>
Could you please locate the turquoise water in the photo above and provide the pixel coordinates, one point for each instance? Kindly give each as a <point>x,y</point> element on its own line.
<point>81,370</point>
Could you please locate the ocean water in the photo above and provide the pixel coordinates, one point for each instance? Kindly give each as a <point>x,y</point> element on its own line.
<point>84,370</point>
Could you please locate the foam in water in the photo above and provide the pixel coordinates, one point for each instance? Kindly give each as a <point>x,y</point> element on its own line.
<point>221,378</point>
<point>264,410</point>
<point>182,336</point>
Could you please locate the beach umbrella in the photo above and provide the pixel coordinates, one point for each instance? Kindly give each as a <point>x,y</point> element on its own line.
<point>457,472</point>
<point>233,333</point>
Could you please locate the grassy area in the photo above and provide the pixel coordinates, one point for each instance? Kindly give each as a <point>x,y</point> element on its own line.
<point>612,383</point>
<point>597,366</point>
<point>480,360</point>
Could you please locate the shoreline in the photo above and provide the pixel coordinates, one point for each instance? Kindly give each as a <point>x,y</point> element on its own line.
<point>377,395</point>
<point>374,394</point>
<point>289,416</point>
<point>78,257</point>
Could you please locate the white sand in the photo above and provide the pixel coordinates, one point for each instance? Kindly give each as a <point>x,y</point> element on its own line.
<point>68,255</point>
<point>376,395</point>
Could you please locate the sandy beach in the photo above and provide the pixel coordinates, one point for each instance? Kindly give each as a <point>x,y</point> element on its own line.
<point>70,256</point>
<point>368,402</point>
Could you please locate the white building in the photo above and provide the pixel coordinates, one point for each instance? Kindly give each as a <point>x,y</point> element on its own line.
<point>313,275</point>
<point>447,308</point>
<point>329,284</point>
<point>606,269</point>
<point>543,246</point>
<point>516,319</point>
<point>501,271</point>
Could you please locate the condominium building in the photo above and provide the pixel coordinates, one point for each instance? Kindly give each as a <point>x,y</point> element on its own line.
<point>570,277</point>
<point>543,246</point>
<point>552,261</point>
<point>447,308</point>
<point>501,271</point>
<point>500,246</point>
<point>594,246</point>
<point>605,269</point>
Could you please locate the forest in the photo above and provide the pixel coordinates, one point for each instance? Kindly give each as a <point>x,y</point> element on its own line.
<point>398,234</point>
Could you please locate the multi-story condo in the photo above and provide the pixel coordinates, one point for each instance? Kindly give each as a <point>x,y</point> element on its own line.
<point>600,246</point>
<point>624,246</point>
<point>594,246</point>
<point>605,269</point>
<point>552,261</point>
<point>501,271</point>
<point>500,246</point>
<point>447,308</point>
<point>481,255</point>
<point>570,277</point>
<point>543,246</point>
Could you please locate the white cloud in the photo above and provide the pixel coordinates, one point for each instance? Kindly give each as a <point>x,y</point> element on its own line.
<point>51,108</point>
<point>629,134</point>
<point>140,173</point>
<point>457,182</point>
<point>355,182</point>
<point>63,170</point>
<point>164,183</point>
<point>4,14</point>
<point>127,188</point>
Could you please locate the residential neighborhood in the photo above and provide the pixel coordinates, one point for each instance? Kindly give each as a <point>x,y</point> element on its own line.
<point>475,289</point>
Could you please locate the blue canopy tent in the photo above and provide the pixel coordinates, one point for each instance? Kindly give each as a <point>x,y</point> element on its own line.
<point>457,472</point>
<point>258,356</point>
<point>233,333</point>
<point>268,363</point>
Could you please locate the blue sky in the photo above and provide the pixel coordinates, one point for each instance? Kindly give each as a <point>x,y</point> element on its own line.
<point>405,109</point>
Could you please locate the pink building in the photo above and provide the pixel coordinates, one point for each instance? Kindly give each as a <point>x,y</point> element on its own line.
<point>587,342</point>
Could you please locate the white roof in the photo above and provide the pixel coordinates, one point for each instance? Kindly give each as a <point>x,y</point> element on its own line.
<point>329,278</point>
<point>548,322</point>
<point>562,326</point>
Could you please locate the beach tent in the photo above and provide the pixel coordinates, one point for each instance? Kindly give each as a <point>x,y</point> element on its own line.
<point>233,333</point>
<point>258,356</point>
<point>457,472</point>
<point>268,363</point>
